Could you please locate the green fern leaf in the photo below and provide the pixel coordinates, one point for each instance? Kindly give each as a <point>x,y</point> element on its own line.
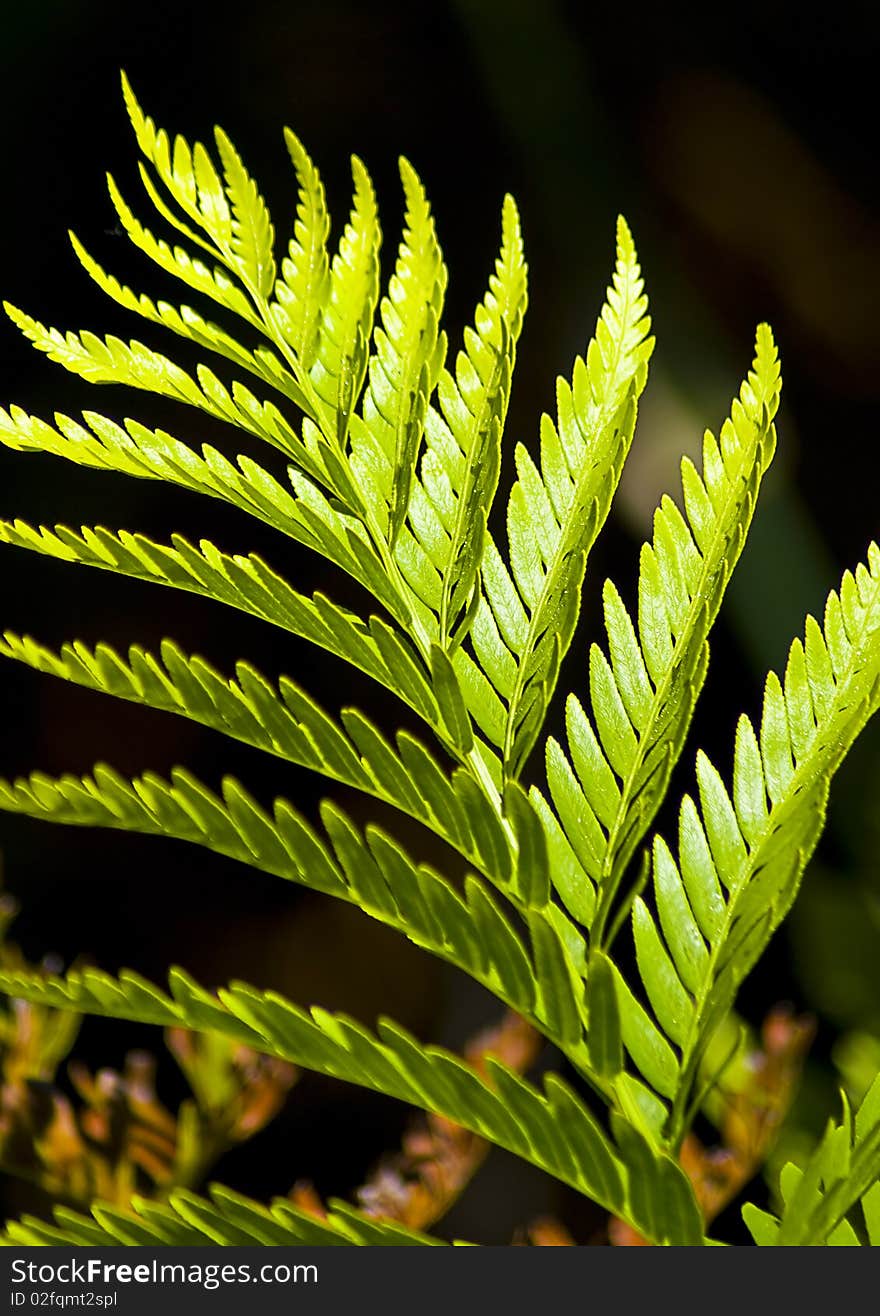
<point>554,1129</point>
<point>110,360</point>
<point>174,166</point>
<point>555,513</point>
<point>532,869</point>
<point>251,236</point>
<point>740,858</point>
<point>290,725</point>
<point>225,1220</point>
<point>608,787</point>
<point>606,1049</point>
<point>189,324</point>
<point>301,291</point>
<point>371,871</point>
<point>240,235</point>
<point>403,371</point>
<point>393,464</point>
<point>842,1172</point>
<point>304,515</point>
<point>337,374</point>
<point>246,583</point>
<point>451,702</point>
<point>214,283</point>
<point>461,466</point>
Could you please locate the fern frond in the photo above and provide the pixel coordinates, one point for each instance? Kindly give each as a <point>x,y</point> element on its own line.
<point>251,237</point>
<point>740,857</point>
<point>225,1220</point>
<point>337,374</point>
<point>189,176</point>
<point>607,789</point>
<point>292,320</point>
<point>323,344</point>
<point>133,449</point>
<point>302,288</point>
<point>553,1129</point>
<point>187,323</point>
<point>513,620</point>
<point>403,370</point>
<point>303,514</point>
<point>247,583</point>
<point>339,308</point>
<point>110,360</point>
<point>213,282</point>
<point>231,211</point>
<point>842,1174</point>
<point>393,464</point>
<point>371,870</point>
<point>442,549</point>
<point>289,724</point>
<point>521,634</point>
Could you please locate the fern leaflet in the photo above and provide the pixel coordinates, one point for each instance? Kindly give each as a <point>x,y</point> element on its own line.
<point>740,857</point>
<point>606,791</point>
<point>553,1129</point>
<point>226,1220</point>
<point>838,1185</point>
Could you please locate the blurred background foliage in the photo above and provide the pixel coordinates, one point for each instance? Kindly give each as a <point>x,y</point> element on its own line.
<point>740,142</point>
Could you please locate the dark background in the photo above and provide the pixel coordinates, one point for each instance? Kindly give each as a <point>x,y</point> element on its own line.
<point>740,142</point>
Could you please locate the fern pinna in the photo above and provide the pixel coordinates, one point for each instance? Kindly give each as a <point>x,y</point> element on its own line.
<point>393,459</point>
